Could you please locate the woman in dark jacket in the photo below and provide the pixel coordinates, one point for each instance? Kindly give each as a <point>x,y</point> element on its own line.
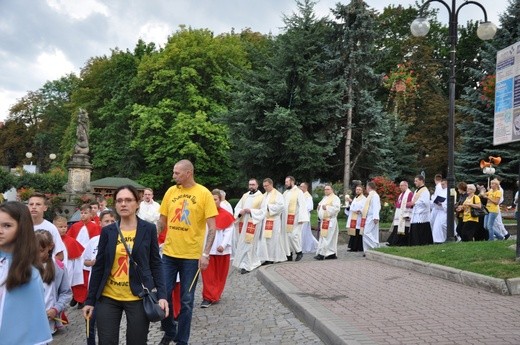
<point>115,285</point>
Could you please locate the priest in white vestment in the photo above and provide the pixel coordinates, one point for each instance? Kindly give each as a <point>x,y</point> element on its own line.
<point>402,217</point>
<point>149,208</point>
<point>420,228</point>
<point>353,212</point>
<point>439,225</point>
<point>370,218</point>
<point>309,242</point>
<point>272,209</point>
<point>438,189</point>
<point>328,209</point>
<point>249,251</point>
<point>294,218</point>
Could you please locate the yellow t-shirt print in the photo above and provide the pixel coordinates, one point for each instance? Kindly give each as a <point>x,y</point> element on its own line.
<point>118,282</point>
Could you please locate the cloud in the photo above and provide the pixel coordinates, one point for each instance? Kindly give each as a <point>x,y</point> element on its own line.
<point>78,10</point>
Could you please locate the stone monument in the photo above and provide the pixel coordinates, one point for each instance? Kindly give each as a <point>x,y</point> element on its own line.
<point>79,166</point>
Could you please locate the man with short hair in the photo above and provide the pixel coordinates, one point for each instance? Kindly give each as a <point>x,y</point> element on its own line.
<point>148,208</point>
<point>251,248</point>
<point>370,218</point>
<point>187,209</point>
<point>328,209</point>
<point>420,228</point>
<point>401,222</point>
<point>294,217</point>
<point>440,204</point>
<point>276,239</point>
<point>94,209</point>
<point>309,242</point>
<point>37,205</point>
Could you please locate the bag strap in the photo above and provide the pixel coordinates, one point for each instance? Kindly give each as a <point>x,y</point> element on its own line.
<point>129,252</point>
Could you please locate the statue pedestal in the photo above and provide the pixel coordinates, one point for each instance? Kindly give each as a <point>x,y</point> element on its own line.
<point>79,174</point>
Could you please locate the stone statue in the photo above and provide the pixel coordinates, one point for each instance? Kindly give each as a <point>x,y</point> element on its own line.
<point>81,146</point>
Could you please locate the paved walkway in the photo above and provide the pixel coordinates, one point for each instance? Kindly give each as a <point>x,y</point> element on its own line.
<point>351,300</point>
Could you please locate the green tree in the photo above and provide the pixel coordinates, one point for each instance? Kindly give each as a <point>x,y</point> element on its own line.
<point>284,117</point>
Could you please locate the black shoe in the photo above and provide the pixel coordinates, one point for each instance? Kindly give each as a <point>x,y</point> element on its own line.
<point>331,257</point>
<point>507,236</point>
<point>243,271</point>
<point>81,305</point>
<point>299,256</point>
<point>166,340</point>
<point>319,257</point>
<point>205,304</point>
<point>267,263</point>
<point>289,257</point>
<point>73,303</point>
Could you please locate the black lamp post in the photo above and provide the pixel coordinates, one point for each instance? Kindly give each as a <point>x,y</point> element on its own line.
<point>486,31</point>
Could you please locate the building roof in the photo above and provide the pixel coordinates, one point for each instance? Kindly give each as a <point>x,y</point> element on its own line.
<point>114,182</point>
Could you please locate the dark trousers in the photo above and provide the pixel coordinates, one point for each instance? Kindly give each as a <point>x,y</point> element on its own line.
<point>108,321</point>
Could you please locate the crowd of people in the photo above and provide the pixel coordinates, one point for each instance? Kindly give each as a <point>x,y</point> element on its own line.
<point>421,217</point>
<point>103,263</point>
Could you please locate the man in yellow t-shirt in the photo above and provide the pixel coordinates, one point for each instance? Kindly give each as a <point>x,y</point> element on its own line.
<point>187,208</point>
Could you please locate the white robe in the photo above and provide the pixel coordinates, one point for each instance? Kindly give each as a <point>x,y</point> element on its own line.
<point>301,216</point>
<point>434,211</point>
<point>371,231</point>
<point>149,211</point>
<point>356,205</point>
<point>439,225</point>
<point>272,209</point>
<point>249,255</point>
<point>309,242</point>
<point>421,209</point>
<point>329,245</point>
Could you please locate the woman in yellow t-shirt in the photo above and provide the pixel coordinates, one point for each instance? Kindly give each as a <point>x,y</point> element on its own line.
<point>115,285</point>
<point>470,224</point>
<point>493,199</point>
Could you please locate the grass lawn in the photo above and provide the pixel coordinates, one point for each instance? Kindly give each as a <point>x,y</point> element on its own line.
<point>495,259</point>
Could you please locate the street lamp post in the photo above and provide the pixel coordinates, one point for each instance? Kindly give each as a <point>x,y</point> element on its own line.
<point>486,31</point>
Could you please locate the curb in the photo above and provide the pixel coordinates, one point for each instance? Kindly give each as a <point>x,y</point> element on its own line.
<point>331,329</point>
<point>496,285</point>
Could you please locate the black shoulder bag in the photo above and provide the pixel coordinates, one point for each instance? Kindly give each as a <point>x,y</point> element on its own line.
<point>151,306</point>
<point>478,212</point>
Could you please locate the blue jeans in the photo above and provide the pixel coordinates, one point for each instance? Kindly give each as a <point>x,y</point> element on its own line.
<point>187,269</point>
<point>489,224</point>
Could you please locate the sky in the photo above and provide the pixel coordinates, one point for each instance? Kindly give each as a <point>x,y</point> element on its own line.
<point>42,40</point>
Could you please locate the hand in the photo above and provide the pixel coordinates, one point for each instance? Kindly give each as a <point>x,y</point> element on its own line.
<point>164,306</point>
<point>220,249</point>
<point>376,221</point>
<point>324,207</point>
<point>87,311</point>
<point>52,313</point>
<point>203,263</point>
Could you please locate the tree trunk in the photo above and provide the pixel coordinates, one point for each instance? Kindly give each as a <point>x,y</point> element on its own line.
<point>348,143</point>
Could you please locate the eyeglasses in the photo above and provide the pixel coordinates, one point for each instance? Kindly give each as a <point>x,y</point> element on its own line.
<point>126,201</point>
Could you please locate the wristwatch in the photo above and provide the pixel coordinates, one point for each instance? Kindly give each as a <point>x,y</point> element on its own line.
<point>205,255</point>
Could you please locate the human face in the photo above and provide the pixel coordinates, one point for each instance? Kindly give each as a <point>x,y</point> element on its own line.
<point>37,207</point>
<point>359,190</point>
<point>494,185</point>
<point>303,187</point>
<point>94,210</point>
<point>8,230</point>
<point>126,205</point>
<point>107,220</point>
<point>62,226</point>
<point>216,198</point>
<point>403,187</point>
<point>444,184</point>
<point>418,183</point>
<point>267,186</point>
<point>147,195</point>
<point>252,186</point>
<point>327,190</point>
<point>180,174</point>
<point>102,205</point>
<point>289,183</point>
<point>85,216</point>
<point>45,252</point>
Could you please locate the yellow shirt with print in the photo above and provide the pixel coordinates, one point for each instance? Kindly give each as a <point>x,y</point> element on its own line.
<point>186,210</point>
<point>467,209</point>
<point>118,283</point>
<point>495,195</point>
